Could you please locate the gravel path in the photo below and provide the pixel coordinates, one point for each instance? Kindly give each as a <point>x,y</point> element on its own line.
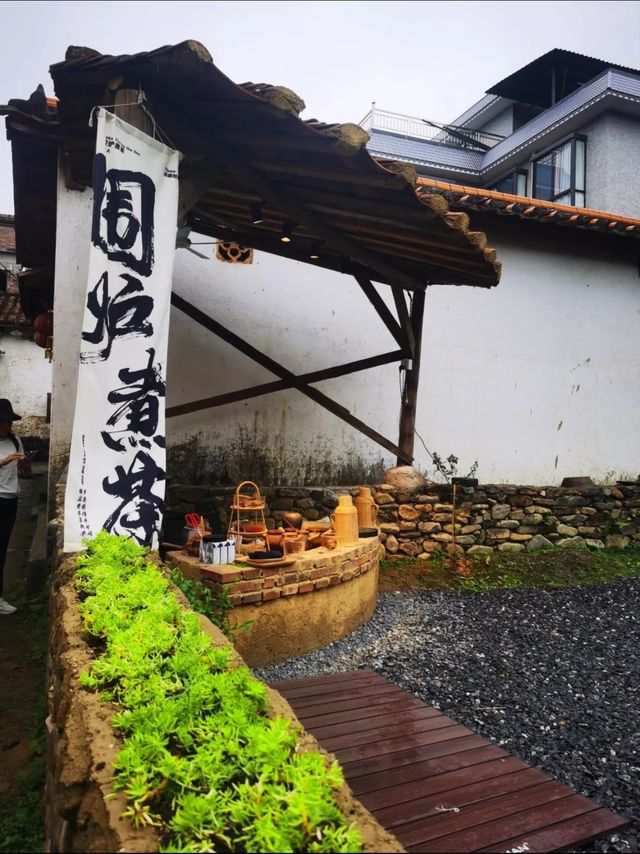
<point>552,676</point>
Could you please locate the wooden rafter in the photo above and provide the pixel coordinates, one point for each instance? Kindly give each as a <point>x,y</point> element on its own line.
<point>288,202</point>
<point>284,374</point>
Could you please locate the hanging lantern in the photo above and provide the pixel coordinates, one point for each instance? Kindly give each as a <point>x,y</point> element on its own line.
<point>43,335</point>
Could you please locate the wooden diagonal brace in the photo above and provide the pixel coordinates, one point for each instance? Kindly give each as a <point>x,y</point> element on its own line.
<point>280,371</point>
<point>403,317</point>
<point>386,316</point>
<point>280,385</point>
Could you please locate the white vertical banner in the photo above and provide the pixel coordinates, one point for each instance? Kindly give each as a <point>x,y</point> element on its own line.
<point>117,464</point>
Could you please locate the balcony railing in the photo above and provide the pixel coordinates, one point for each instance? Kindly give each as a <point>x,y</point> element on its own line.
<point>443,134</point>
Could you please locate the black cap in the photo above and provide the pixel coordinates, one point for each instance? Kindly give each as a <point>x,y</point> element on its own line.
<point>6,411</point>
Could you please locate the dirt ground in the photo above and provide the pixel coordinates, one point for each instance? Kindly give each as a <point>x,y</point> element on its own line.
<point>22,658</point>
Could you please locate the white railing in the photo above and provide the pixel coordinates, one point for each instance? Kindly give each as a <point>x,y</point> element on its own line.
<point>385,120</point>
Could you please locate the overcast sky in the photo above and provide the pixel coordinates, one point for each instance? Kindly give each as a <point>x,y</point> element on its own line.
<point>428,59</point>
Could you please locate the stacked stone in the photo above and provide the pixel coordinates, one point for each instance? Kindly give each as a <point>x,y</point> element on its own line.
<point>506,518</point>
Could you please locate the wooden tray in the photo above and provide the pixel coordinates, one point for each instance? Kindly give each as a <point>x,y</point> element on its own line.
<point>279,561</point>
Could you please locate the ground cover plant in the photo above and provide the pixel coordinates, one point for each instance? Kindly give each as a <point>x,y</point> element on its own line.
<point>201,760</point>
<point>553,568</point>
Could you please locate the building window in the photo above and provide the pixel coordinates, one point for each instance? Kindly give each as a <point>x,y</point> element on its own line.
<point>559,175</point>
<point>514,183</point>
<point>3,280</point>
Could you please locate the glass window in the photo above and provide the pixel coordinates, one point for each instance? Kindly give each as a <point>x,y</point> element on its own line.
<point>514,183</point>
<point>559,175</point>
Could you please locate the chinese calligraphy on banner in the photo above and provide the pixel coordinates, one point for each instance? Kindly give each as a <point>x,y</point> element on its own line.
<point>117,462</point>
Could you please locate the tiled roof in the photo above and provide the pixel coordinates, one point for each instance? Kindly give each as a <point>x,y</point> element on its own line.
<point>423,152</point>
<point>365,210</point>
<point>11,313</point>
<point>7,234</point>
<point>477,198</point>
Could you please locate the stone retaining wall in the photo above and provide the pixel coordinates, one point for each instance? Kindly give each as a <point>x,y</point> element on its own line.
<point>487,518</point>
<point>507,518</point>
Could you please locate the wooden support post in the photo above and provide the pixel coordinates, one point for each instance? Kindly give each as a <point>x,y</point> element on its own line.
<point>408,406</point>
<point>280,371</point>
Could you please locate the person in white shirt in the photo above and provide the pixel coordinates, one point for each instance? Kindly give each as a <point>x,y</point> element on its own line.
<point>11,453</point>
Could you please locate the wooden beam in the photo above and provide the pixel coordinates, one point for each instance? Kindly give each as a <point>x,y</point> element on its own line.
<point>409,403</point>
<point>296,210</point>
<point>280,385</point>
<point>280,371</point>
<point>403,316</point>
<point>381,307</point>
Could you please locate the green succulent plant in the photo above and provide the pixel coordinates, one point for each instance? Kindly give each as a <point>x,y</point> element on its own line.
<point>201,760</point>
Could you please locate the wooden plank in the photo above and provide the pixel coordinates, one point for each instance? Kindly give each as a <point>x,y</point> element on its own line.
<point>410,756</point>
<point>408,728</point>
<point>325,679</point>
<point>406,761</point>
<point>326,705</point>
<point>365,712</point>
<point>433,784</point>
<point>491,821</point>
<point>400,743</point>
<point>494,832</point>
<point>277,369</point>
<point>421,804</point>
<point>357,693</point>
<point>441,766</point>
<point>565,834</point>
<point>280,385</point>
<point>337,690</point>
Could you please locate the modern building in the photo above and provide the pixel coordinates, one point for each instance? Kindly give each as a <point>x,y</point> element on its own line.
<point>542,380</point>
<point>565,128</point>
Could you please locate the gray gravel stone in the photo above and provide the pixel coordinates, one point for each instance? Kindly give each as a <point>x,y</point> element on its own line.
<point>553,676</point>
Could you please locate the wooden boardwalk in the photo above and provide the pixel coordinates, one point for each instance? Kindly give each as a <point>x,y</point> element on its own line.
<point>435,784</point>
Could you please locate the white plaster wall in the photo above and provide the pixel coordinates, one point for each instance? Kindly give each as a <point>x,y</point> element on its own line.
<point>25,375</point>
<point>73,237</point>
<point>537,379</point>
<point>303,317</point>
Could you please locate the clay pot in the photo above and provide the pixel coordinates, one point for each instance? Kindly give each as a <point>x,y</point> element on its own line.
<point>276,538</point>
<point>253,528</point>
<point>293,519</point>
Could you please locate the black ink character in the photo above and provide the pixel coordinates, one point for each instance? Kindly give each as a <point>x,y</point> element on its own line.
<point>125,314</point>
<point>117,229</point>
<point>139,514</point>
<point>139,409</point>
